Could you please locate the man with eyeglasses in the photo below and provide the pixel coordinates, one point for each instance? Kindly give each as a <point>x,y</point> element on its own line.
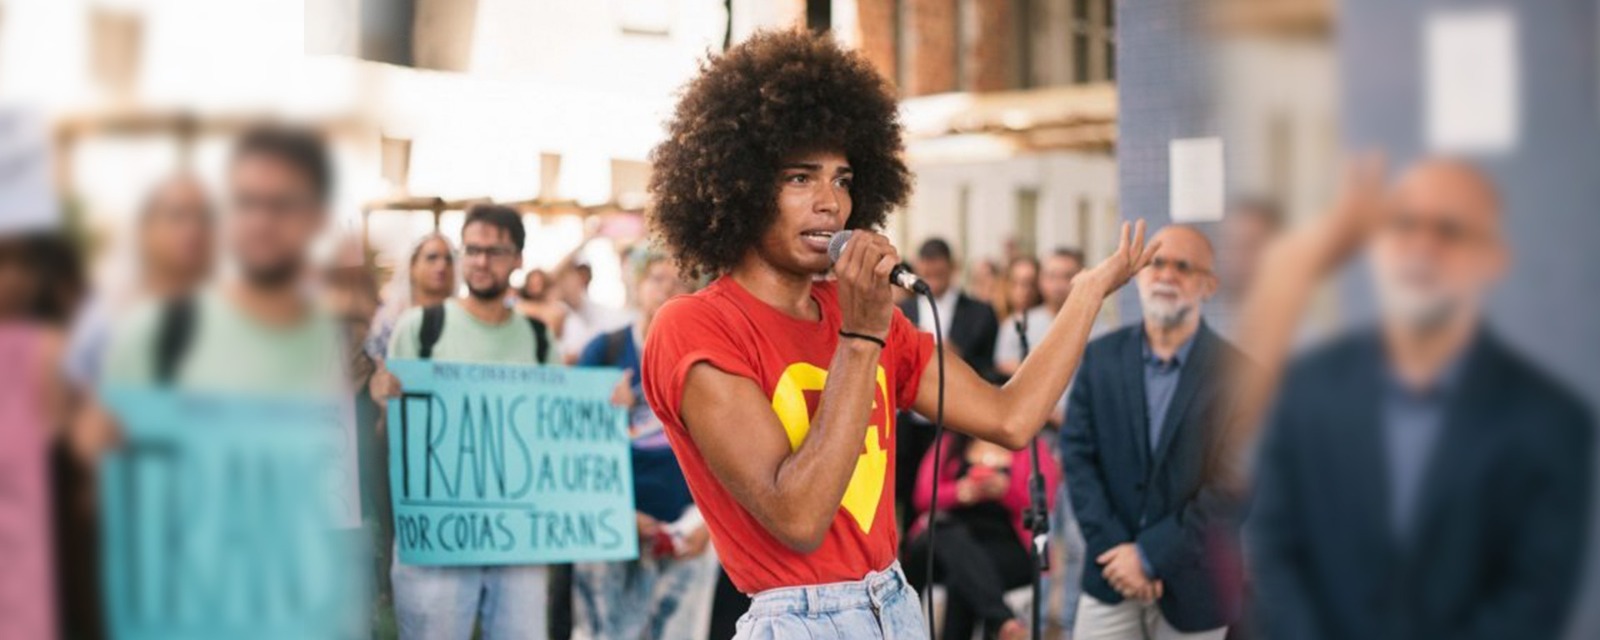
<point>501,601</point>
<point>1418,478</point>
<point>257,331</point>
<point>1142,421</point>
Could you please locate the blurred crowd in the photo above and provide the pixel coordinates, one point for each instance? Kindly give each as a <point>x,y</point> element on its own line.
<point>1212,472</point>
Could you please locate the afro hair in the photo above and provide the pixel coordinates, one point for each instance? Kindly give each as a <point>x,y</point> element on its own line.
<point>714,181</point>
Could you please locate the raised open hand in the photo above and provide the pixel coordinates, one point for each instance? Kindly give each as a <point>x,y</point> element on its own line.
<point>1132,254</point>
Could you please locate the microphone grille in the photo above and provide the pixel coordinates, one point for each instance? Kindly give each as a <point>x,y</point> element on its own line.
<point>836,245</point>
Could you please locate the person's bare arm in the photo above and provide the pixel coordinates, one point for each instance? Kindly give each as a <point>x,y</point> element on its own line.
<point>1291,269</point>
<point>1012,414</point>
<point>795,493</point>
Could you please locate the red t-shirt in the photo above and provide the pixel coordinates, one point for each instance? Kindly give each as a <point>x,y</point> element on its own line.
<point>732,330</point>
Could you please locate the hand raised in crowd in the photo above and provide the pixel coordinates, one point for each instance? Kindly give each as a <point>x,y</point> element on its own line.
<point>622,395</point>
<point>1357,212</point>
<point>1132,255</point>
<point>384,385</point>
<point>865,298</point>
<point>1291,268</point>
<point>695,543</point>
<point>647,525</point>
<point>1125,572</point>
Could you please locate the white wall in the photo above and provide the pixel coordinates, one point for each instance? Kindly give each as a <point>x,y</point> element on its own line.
<point>1278,110</point>
<point>1062,179</point>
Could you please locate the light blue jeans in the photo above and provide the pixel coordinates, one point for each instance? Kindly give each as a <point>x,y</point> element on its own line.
<point>880,605</point>
<point>659,599</point>
<point>441,603</point>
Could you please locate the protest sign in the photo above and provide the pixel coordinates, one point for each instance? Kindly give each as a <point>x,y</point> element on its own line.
<point>222,516</point>
<point>509,464</point>
<point>25,577</point>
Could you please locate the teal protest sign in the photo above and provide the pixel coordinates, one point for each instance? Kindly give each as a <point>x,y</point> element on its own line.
<point>509,464</point>
<point>223,518</point>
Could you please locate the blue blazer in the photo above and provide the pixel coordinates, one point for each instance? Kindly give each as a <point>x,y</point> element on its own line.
<point>1170,502</point>
<point>1499,533</point>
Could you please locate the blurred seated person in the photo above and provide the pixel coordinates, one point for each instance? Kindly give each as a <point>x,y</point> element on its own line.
<point>982,547</point>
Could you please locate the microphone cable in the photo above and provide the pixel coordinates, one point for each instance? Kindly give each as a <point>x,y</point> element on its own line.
<point>938,457</point>
<point>1037,516</point>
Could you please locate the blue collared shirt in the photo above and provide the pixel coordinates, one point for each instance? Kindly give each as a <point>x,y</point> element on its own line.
<point>1160,383</point>
<point>1413,420</point>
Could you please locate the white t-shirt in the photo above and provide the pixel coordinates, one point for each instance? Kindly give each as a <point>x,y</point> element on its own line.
<point>1008,344</point>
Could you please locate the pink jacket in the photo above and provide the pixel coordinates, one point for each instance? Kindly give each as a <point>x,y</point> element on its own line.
<point>1015,499</point>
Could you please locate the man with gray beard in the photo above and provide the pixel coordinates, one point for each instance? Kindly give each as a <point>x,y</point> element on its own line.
<point>1143,423</point>
<point>1418,478</point>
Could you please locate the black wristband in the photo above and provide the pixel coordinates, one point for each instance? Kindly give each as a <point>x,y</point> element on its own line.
<point>863,336</point>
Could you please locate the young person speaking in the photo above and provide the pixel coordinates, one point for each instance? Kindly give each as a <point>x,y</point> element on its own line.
<point>778,390</point>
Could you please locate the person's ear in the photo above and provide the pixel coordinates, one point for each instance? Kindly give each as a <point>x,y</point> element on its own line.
<point>1208,286</point>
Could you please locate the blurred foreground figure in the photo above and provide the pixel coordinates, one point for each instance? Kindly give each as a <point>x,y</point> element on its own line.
<point>1248,229</point>
<point>1419,479</point>
<point>244,379</point>
<point>258,332</point>
<point>175,237</point>
<point>38,290</point>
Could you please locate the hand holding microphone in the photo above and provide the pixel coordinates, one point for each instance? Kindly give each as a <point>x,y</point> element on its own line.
<point>899,276</point>
<point>863,263</point>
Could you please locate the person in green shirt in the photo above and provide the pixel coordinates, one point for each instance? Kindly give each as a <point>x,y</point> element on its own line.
<point>503,601</point>
<point>259,331</point>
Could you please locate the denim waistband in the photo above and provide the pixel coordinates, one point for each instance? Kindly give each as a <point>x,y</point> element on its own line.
<point>872,591</point>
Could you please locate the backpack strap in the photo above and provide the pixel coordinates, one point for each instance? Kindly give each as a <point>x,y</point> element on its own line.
<point>432,328</point>
<point>615,342</point>
<point>541,339</point>
<point>173,337</point>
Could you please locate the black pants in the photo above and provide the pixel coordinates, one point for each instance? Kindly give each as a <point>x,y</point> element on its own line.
<point>977,564</point>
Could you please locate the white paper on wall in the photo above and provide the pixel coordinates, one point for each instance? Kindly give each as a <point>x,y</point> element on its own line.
<point>1195,179</point>
<point>1471,75</point>
<point>27,190</point>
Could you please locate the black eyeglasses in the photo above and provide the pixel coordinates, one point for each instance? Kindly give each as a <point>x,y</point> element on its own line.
<point>1183,267</point>
<point>1447,230</point>
<point>493,252</point>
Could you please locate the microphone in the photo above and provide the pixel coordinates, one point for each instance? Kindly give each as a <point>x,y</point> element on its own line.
<point>900,276</point>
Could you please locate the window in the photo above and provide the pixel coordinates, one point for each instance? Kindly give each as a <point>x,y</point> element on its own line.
<point>1109,40</point>
<point>1081,28</point>
<point>819,15</point>
<point>963,219</point>
<point>1086,239</point>
<point>1026,232</point>
<point>1093,40</point>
